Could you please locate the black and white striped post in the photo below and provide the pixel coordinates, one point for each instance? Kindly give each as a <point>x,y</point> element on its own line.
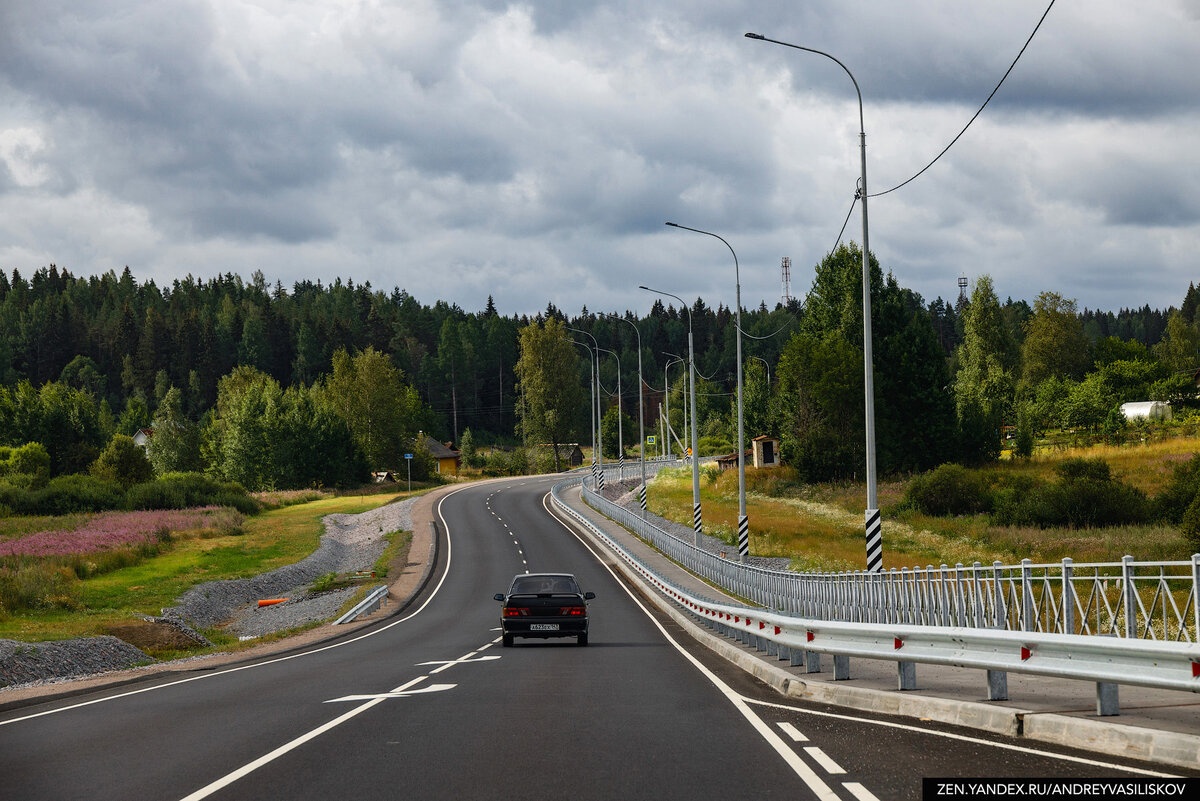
<point>874,541</point>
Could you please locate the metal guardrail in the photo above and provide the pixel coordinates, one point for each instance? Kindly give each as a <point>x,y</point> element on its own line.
<point>366,606</point>
<point>1108,661</point>
<point>1127,599</point>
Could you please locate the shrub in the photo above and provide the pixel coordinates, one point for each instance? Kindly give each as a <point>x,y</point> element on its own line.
<point>187,490</point>
<point>124,462</point>
<point>950,489</point>
<point>1085,495</point>
<point>69,494</point>
<point>1179,494</point>
<point>710,446</point>
<point>1190,527</point>
<point>1084,469</point>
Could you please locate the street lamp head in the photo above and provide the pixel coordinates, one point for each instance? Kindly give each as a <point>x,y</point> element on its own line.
<point>755,36</point>
<point>673,225</point>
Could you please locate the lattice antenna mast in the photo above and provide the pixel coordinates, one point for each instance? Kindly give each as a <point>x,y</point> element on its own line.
<point>962,288</point>
<point>786,268</point>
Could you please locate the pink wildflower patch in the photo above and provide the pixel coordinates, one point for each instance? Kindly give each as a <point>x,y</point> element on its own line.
<point>108,531</point>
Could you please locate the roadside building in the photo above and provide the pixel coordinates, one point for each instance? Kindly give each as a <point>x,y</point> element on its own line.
<point>766,451</point>
<point>444,453</point>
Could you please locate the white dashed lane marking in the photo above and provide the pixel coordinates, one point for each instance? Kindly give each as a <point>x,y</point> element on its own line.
<point>792,731</point>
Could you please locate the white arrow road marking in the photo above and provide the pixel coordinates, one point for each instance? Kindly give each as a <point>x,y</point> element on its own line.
<point>433,688</point>
<point>451,663</point>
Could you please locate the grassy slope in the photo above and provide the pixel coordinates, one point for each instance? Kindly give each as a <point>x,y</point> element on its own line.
<point>821,527</point>
<point>272,539</point>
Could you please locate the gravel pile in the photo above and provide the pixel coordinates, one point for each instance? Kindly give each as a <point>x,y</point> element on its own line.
<point>23,662</point>
<point>625,494</point>
<point>350,543</point>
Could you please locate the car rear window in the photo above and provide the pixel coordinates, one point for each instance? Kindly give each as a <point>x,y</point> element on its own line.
<point>544,585</point>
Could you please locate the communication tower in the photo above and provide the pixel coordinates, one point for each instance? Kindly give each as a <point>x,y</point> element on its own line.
<point>962,288</point>
<point>786,267</point>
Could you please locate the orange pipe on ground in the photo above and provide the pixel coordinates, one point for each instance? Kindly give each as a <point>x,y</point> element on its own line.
<point>270,601</point>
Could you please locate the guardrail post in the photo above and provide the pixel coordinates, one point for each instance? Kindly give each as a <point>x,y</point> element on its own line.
<point>1068,596</point>
<point>812,662</point>
<point>784,653</point>
<point>772,648</point>
<point>997,681</point>
<point>1028,623</point>
<point>841,667</point>
<point>906,675</point>
<point>1130,598</point>
<point>1107,703</point>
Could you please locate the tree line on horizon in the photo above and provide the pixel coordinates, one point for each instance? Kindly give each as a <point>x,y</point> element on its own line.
<point>103,353</point>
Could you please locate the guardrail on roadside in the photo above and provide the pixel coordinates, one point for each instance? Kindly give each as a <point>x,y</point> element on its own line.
<point>1062,598</point>
<point>1107,661</point>
<point>366,606</point>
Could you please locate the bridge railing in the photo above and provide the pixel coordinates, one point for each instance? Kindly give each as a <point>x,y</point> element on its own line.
<point>1127,599</point>
<point>928,621</point>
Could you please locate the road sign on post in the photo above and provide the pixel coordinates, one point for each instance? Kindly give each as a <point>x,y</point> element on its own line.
<point>650,440</point>
<point>408,461</point>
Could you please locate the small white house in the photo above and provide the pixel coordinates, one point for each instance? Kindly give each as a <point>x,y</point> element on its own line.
<point>766,451</point>
<point>1146,410</point>
<point>142,438</point>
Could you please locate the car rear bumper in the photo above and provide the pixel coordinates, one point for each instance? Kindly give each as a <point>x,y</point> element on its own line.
<point>566,628</point>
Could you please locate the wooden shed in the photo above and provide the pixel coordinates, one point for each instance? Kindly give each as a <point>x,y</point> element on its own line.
<point>766,451</point>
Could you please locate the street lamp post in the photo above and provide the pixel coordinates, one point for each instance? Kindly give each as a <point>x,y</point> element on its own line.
<point>641,414</point>
<point>696,513</point>
<point>592,375</point>
<point>766,365</point>
<point>667,396</point>
<point>874,527</point>
<point>743,541</point>
<point>620,412</point>
<point>598,446</point>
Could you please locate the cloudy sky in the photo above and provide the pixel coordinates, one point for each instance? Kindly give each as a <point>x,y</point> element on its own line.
<point>532,151</point>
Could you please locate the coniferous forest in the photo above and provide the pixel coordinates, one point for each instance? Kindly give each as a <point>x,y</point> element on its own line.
<point>204,361</point>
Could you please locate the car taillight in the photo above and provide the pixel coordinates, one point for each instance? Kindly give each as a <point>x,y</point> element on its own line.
<point>573,611</point>
<point>515,611</point>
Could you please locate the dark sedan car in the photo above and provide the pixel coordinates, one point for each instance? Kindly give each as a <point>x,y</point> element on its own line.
<point>544,605</point>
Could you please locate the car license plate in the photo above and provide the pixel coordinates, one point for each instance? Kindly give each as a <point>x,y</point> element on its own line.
<point>543,627</point>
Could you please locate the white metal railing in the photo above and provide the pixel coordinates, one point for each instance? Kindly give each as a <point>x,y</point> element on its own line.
<point>1108,661</point>
<point>1127,599</point>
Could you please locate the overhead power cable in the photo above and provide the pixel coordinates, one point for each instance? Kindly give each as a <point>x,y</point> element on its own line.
<point>977,113</point>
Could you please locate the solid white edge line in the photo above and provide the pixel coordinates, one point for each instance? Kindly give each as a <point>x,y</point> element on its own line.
<point>822,790</point>
<point>228,671</point>
<point>823,759</point>
<point>964,738</point>
<point>947,735</point>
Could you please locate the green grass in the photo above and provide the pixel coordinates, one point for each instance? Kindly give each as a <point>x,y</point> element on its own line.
<point>272,539</point>
<point>820,527</point>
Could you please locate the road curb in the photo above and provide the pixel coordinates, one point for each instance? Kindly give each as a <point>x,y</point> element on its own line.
<point>1112,739</point>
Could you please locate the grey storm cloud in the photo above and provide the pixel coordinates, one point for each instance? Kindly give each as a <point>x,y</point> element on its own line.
<point>533,151</point>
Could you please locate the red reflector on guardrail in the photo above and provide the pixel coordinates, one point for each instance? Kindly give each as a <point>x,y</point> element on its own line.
<point>899,643</point>
<point>777,631</point>
<point>1025,653</point>
<point>1195,669</point>
<point>811,636</point>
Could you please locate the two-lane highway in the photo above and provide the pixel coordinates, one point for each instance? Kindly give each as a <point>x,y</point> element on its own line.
<point>428,705</point>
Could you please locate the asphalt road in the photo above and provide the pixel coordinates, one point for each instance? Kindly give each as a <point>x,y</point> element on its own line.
<point>427,705</point>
